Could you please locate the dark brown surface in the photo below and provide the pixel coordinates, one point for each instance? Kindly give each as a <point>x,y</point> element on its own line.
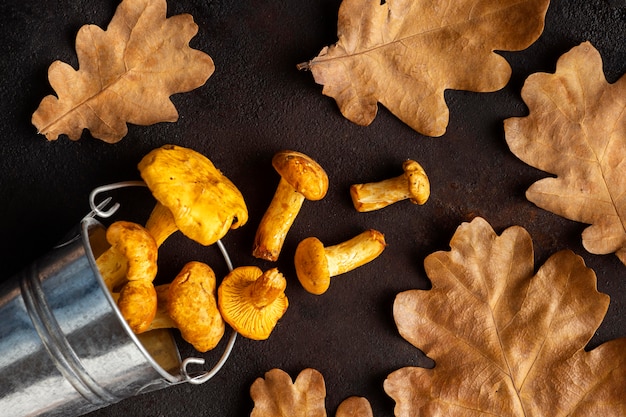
<point>255,104</point>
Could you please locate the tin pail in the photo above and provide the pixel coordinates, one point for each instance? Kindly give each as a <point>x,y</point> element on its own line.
<point>65,349</point>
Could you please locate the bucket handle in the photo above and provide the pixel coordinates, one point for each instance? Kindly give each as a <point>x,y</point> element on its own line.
<point>97,210</point>
<point>200,379</point>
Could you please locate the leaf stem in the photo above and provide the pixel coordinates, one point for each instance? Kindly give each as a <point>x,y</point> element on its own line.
<point>304,66</point>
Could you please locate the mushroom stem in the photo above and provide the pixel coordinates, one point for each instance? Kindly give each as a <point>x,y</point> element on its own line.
<point>267,288</point>
<point>352,253</point>
<point>161,224</point>
<point>375,195</point>
<point>315,264</point>
<point>277,221</point>
<point>112,266</point>
<point>413,185</point>
<point>162,319</point>
<point>300,178</point>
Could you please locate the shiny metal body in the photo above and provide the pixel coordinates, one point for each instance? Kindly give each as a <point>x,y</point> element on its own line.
<point>65,350</point>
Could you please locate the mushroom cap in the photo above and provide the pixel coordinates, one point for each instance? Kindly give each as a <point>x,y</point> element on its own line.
<point>138,247</point>
<point>304,174</point>
<point>192,305</point>
<point>138,304</point>
<point>246,306</point>
<point>419,185</point>
<point>205,203</point>
<point>312,266</point>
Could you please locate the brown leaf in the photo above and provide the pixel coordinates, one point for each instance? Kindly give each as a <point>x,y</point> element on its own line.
<point>576,130</point>
<point>507,342</point>
<point>354,407</point>
<point>126,74</point>
<point>278,396</point>
<point>406,53</point>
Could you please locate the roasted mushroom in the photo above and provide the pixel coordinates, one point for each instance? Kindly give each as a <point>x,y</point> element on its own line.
<point>252,301</point>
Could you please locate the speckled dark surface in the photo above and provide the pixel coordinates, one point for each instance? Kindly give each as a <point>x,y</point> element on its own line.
<point>255,104</point>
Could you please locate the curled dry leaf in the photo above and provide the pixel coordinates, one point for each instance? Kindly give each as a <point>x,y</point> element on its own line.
<point>406,53</point>
<point>506,341</point>
<point>126,74</point>
<point>276,395</point>
<point>576,130</point>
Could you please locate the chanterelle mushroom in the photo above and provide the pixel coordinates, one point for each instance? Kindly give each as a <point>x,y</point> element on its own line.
<point>132,257</point>
<point>137,302</point>
<point>252,301</point>
<point>413,185</point>
<point>193,196</point>
<point>315,264</point>
<point>133,253</point>
<point>189,304</point>
<point>301,178</point>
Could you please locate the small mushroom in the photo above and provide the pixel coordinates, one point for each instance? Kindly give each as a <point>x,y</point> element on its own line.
<point>189,304</point>
<point>252,301</point>
<point>301,178</point>
<point>413,185</point>
<point>315,264</point>
<point>132,255</point>
<point>137,302</point>
<point>192,196</point>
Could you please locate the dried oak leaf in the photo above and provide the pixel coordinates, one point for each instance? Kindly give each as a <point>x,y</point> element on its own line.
<point>406,53</point>
<point>277,396</point>
<point>506,341</point>
<point>355,407</point>
<point>126,74</point>
<point>576,129</point>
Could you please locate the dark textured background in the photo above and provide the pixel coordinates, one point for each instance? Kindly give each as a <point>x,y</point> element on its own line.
<point>255,104</point>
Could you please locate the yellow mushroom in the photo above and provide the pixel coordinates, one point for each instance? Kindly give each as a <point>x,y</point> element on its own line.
<point>189,304</point>
<point>137,302</point>
<point>192,196</point>
<point>301,178</point>
<point>315,264</point>
<point>162,319</point>
<point>131,262</point>
<point>413,185</point>
<point>133,254</point>
<point>252,301</point>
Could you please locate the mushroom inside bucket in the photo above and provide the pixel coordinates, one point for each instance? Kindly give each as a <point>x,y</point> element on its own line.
<point>158,345</point>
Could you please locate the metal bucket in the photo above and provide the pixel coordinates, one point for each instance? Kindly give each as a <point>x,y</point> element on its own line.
<point>65,349</point>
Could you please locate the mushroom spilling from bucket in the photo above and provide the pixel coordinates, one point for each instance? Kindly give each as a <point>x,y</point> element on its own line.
<point>65,348</point>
